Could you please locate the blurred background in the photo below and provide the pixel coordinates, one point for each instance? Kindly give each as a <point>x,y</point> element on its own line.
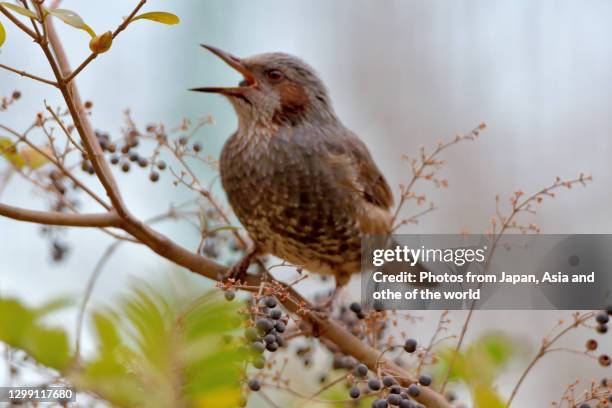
<point>401,74</point>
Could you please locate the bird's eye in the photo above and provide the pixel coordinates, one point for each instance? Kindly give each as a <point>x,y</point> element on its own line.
<point>274,75</point>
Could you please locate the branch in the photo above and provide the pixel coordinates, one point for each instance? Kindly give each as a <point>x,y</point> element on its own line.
<point>58,218</point>
<point>26,74</point>
<point>293,302</point>
<point>71,95</point>
<point>119,29</point>
<point>18,23</point>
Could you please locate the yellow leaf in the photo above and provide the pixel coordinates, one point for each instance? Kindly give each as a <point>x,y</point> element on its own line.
<point>101,43</point>
<point>159,16</point>
<point>2,35</point>
<point>20,10</point>
<point>8,150</point>
<point>71,18</point>
<point>222,397</point>
<point>486,397</point>
<point>32,158</point>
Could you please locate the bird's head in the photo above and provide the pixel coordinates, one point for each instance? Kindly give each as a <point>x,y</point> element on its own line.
<point>277,89</point>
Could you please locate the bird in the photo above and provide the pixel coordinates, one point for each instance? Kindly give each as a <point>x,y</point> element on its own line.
<point>304,186</point>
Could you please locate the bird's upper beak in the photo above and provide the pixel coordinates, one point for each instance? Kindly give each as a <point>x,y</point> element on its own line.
<point>238,65</point>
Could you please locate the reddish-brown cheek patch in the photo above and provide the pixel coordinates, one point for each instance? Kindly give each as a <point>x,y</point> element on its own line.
<point>294,102</point>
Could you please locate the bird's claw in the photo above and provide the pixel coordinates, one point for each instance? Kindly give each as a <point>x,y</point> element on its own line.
<point>238,271</point>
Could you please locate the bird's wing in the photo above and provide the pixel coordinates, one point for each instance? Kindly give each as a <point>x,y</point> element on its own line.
<point>355,169</point>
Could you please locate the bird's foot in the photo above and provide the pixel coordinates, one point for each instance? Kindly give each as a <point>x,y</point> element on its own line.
<point>238,271</point>
<point>326,305</point>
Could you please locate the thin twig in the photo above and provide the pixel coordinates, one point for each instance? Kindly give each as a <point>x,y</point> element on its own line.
<point>28,75</point>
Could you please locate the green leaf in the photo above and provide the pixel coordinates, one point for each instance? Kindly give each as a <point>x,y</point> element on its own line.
<point>49,347</point>
<point>21,10</point>
<point>73,19</point>
<point>159,16</point>
<point>9,151</point>
<point>54,305</point>
<point>16,320</point>
<point>21,328</point>
<point>2,34</point>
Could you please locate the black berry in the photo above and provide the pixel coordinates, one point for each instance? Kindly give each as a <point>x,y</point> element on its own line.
<point>388,381</point>
<point>425,380</point>
<point>264,325</point>
<point>374,384</point>
<point>361,370</point>
<point>276,314</point>
<point>414,390</point>
<point>380,403</point>
<point>410,345</point>
<point>355,307</point>
<point>354,392</point>
<point>280,327</point>
<point>270,302</point>
<point>254,385</point>
<point>394,399</point>
<point>602,318</point>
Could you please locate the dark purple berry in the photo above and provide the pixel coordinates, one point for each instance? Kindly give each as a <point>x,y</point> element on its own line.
<point>374,384</point>
<point>405,403</point>
<point>410,345</point>
<point>388,381</point>
<point>264,325</point>
<point>394,399</point>
<point>379,403</point>
<point>276,314</point>
<point>270,302</point>
<point>272,347</point>
<point>602,318</point>
<point>425,380</point>
<point>354,392</point>
<point>355,307</point>
<point>254,384</point>
<point>279,340</point>
<point>361,370</point>
<point>414,390</point>
<point>280,327</point>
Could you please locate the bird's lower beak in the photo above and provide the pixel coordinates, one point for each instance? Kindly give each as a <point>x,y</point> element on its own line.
<point>236,63</point>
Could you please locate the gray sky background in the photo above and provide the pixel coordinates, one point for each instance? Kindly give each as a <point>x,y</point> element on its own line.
<point>401,74</point>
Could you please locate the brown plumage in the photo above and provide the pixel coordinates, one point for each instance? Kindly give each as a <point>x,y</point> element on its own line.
<point>304,186</point>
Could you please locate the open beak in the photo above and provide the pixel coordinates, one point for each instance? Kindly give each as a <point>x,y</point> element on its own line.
<point>236,63</point>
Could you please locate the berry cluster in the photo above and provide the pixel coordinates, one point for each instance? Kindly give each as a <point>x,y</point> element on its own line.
<point>266,334</point>
<point>390,392</point>
<point>603,320</point>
